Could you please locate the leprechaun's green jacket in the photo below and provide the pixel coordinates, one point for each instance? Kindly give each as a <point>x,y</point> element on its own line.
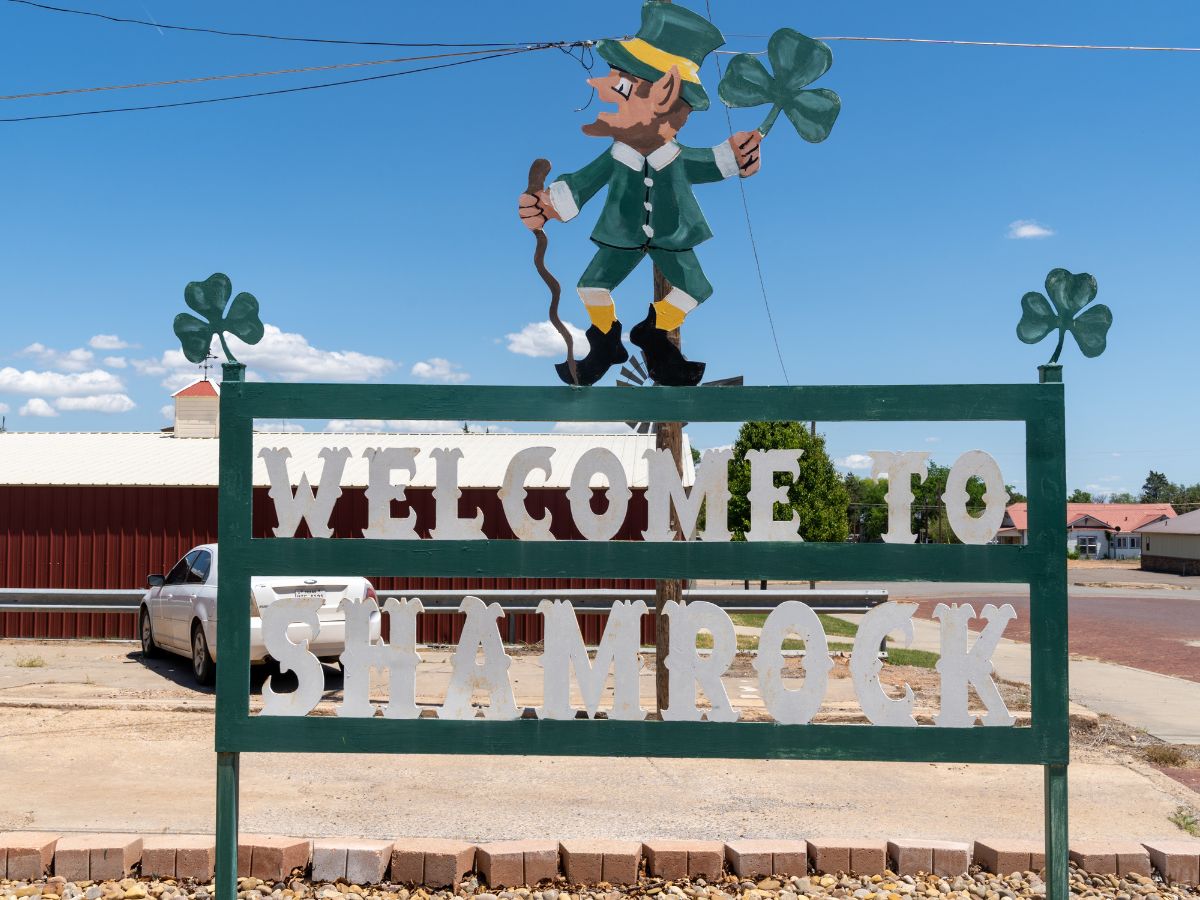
<point>650,201</point>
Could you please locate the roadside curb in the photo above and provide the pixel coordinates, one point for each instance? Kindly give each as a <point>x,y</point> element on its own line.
<point>438,863</point>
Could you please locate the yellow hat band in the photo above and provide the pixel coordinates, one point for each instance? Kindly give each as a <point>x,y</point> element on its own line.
<point>662,60</point>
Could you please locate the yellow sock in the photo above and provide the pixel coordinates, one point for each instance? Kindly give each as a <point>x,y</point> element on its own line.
<point>603,316</point>
<point>667,316</point>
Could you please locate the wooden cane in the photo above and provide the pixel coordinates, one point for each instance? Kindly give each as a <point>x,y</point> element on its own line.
<point>537,182</point>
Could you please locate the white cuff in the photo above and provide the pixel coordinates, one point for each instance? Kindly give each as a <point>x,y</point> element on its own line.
<point>564,201</point>
<point>681,301</point>
<point>725,160</point>
<point>595,296</point>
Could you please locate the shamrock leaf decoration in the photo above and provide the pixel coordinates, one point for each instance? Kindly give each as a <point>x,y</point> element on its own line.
<point>798,61</point>
<point>1068,295</point>
<point>208,298</point>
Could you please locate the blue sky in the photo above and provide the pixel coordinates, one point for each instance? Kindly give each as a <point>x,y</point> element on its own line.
<point>376,223</point>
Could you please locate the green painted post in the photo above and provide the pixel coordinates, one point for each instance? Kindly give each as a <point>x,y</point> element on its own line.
<point>1058,884</point>
<point>1049,592</point>
<point>233,673</point>
<point>228,765</point>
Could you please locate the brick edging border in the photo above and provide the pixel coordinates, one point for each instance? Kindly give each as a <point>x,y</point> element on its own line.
<point>439,862</point>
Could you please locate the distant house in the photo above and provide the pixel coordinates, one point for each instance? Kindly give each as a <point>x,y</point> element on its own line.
<point>1172,545</point>
<point>1094,530</point>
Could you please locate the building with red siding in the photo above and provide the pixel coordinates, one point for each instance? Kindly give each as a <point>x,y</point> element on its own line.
<point>101,511</point>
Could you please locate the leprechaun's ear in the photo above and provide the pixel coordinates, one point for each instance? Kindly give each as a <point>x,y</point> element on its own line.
<point>665,92</point>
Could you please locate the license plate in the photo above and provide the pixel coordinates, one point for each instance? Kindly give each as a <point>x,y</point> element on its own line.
<point>310,595</point>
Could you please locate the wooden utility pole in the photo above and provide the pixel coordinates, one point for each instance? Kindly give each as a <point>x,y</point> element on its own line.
<point>669,436</point>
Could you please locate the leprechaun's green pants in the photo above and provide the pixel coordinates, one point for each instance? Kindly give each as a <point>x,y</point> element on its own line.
<point>612,265</point>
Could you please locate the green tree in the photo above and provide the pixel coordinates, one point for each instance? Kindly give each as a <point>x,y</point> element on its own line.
<point>818,494</point>
<point>868,507</point>
<point>1080,496</point>
<point>1123,497</point>
<point>1157,488</point>
<point>1015,496</point>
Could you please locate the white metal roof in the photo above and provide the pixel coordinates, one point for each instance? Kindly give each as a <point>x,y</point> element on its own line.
<point>146,459</point>
<point>1188,523</point>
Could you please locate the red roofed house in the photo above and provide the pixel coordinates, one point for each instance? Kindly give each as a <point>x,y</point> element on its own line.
<point>1094,530</point>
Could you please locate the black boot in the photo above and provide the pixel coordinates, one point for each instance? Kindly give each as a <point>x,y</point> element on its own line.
<point>666,364</point>
<point>604,352</point>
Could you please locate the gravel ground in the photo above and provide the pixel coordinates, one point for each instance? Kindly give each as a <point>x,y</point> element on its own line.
<point>978,886</point>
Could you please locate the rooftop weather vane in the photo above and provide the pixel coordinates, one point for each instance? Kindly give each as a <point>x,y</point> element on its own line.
<point>650,209</point>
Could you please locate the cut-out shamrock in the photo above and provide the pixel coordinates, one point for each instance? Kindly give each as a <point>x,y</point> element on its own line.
<point>798,61</point>
<point>1069,294</point>
<point>208,298</point>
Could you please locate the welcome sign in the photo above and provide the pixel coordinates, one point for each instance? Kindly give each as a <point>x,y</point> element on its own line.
<point>772,550</point>
<point>618,653</point>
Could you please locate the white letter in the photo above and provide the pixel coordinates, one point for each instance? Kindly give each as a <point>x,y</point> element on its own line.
<point>447,525</point>
<point>865,665</point>
<point>289,509</point>
<point>900,469</point>
<point>764,495</point>
<point>688,670</point>
<point>291,656</point>
<point>665,489</point>
<point>967,528</point>
<point>381,492</point>
<point>958,667</point>
<point>793,707</point>
<point>598,461</point>
<point>398,656</point>
<point>480,634</point>
<point>512,494</point>
<point>618,651</point>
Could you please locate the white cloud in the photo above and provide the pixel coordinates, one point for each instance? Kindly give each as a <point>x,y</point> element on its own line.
<point>76,360</point>
<point>102,403</point>
<point>592,428</point>
<point>855,461</point>
<point>932,440</point>
<point>57,384</point>
<point>279,427</point>
<point>441,370</point>
<point>38,407</point>
<point>280,355</point>
<point>542,339</point>
<point>411,426</point>
<point>116,362</point>
<point>168,411</point>
<point>3,407</point>
<point>1026,229</point>
<point>108,342</point>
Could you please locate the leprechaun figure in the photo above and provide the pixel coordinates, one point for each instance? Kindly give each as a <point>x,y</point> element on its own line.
<point>650,209</point>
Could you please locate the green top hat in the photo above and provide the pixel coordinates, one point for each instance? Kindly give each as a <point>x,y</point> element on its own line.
<point>670,35</point>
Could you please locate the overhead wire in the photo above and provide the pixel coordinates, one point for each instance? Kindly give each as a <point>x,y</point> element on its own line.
<point>762,284</point>
<point>278,91</point>
<point>261,36</point>
<point>206,78</point>
<point>1025,44</point>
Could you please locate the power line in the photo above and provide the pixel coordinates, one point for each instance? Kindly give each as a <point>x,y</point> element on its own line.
<point>762,285</point>
<point>1026,44</point>
<point>266,37</point>
<point>293,90</point>
<point>206,78</point>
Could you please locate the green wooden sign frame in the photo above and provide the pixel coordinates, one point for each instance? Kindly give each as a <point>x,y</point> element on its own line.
<point>1041,564</point>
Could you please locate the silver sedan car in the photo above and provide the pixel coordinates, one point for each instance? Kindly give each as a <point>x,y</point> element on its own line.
<point>179,611</point>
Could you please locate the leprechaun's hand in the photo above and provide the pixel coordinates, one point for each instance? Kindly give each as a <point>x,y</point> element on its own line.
<point>536,209</point>
<point>746,150</point>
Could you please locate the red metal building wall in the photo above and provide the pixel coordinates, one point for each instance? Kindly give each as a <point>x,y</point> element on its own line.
<point>111,538</point>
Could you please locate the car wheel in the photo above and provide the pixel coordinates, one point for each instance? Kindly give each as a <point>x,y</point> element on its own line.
<point>149,648</point>
<point>203,667</point>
